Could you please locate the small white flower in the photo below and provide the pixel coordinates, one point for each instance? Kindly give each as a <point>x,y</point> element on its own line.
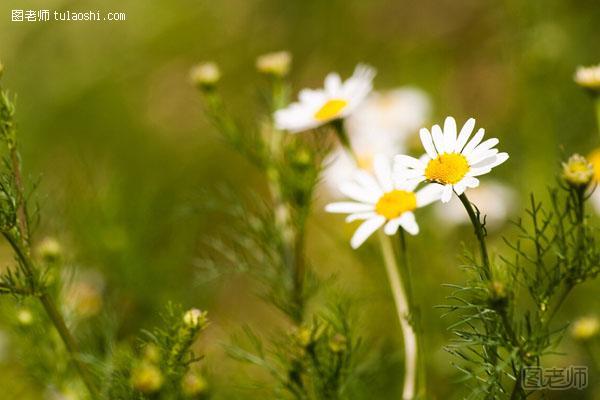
<point>495,200</point>
<point>336,100</point>
<point>382,124</point>
<point>277,64</point>
<point>384,199</point>
<point>452,160</point>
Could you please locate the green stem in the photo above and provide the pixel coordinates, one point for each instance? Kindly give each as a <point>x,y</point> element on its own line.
<point>480,233</point>
<point>404,316</point>
<point>597,109</point>
<point>340,131</point>
<point>54,315</point>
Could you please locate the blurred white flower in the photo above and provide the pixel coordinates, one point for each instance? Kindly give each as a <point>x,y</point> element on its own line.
<point>594,159</point>
<point>277,64</point>
<point>495,200</point>
<point>452,159</point>
<point>205,74</point>
<point>386,198</point>
<point>85,295</point>
<point>335,101</point>
<point>381,125</point>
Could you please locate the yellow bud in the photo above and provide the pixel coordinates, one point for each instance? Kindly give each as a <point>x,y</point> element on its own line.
<point>304,337</point>
<point>338,343</point>
<point>49,249</point>
<point>277,64</point>
<point>205,75</point>
<point>578,171</point>
<point>585,328</point>
<point>195,318</point>
<point>194,384</point>
<point>151,353</point>
<point>588,77</point>
<point>25,317</point>
<point>146,378</point>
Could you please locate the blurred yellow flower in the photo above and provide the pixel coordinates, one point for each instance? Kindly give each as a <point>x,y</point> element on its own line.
<point>195,318</point>
<point>146,378</point>
<point>585,328</point>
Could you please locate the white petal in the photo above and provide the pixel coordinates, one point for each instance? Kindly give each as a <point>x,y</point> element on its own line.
<point>333,83</point>
<point>383,172</point>
<point>360,216</point>
<point>449,134</point>
<point>446,194</point>
<point>404,161</point>
<point>348,207</point>
<point>367,181</point>
<point>470,182</point>
<point>477,157</point>
<point>427,143</point>
<point>479,171</point>
<point>365,230</point>
<point>429,194</point>
<point>408,222</point>
<point>358,193</point>
<point>392,226</point>
<point>464,134</point>
<point>487,145</point>
<point>438,139</point>
<point>473,142</point>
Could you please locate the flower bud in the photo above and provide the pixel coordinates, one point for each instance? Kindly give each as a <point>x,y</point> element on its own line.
<point>276,64</point>
<point>195,318</point>
<point>194,384</point>
<point>1,69</point>
<point>588,77</point>
<point>585,328</point>
<point>338,343</point>
<point>25,317</point>
<point>49,250</point>
<point>304,337</point>
<point>146,378</point>
<point>151,353</point>
<point>205,75</point>
<point>578,171</point>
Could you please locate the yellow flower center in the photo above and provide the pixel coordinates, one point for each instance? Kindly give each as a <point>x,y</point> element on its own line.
<point>447,168</point>
<point>594,159</point>
<point>331,109</point>
<point>392,204</point>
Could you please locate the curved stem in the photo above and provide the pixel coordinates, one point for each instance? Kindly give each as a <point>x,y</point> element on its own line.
<point>404,316</point>
<point>340,131</point>
<point>480,233</point>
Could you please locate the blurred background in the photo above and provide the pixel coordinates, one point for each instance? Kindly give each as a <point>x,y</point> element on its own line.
<point>126,160</point>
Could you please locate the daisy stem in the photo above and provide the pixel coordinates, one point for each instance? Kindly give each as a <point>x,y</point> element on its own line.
<point>401,301</point>
<point>480,233</point>
<point>340,131</point>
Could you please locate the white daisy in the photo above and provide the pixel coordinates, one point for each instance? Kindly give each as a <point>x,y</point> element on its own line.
<point>336,100</point>
<point>452,160</point>
<point>384,199</point>
<point>382,124</point>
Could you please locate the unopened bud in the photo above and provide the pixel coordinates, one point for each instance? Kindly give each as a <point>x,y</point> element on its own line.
<point>151,353</point>
<point>304,337</point>
<point>49,249</point>
<point>25,317</point>
<point>585,328</point>
<point>195,318</point>
<point>194,384</point>
<point>338,343</point>
<point>205,75</point>
<point>277,64</point>
<point>578,171</point>
<point>588,77</point>
<point>146,378</point>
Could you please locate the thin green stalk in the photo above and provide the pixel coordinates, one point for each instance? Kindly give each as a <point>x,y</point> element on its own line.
<point>597,107</point>
<point>402,308</point>
<point>54,315</point>
<point>340,131</point>
<point>480,233</point>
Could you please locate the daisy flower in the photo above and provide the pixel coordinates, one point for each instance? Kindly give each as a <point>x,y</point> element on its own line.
<point>336,100</point>
<point>452,160</point>
<point>386,198</point>
<point>382,124</point>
